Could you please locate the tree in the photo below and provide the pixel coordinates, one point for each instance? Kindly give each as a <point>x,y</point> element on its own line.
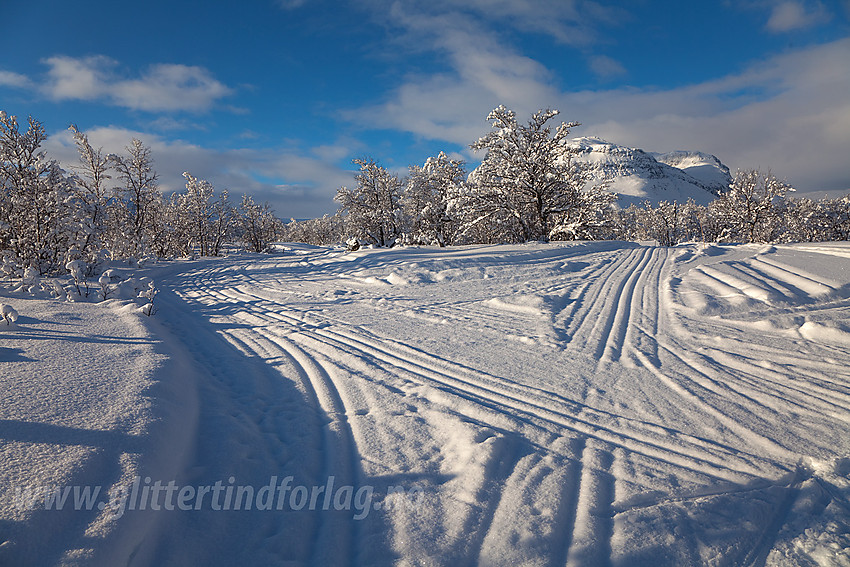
<point>91,176</point>
<point>140,191</point>
<point>749,211</point>
<point>580,210</point>
<point>35,207</point>
<point>527,179</point>
<point>807,220</point>
<point>374,206</point>
<point>197,212</point>
<point>171,228</point>
<point>223,217</point>
<point>259,227</point>
<point>662,223</point>
<point>426,200</point>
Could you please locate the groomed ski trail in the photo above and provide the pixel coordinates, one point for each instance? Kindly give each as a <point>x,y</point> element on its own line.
<point>387,359</point>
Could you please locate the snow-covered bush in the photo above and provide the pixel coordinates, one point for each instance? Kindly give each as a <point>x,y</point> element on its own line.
<point>352,244</point>
<point>150,293</point>
<point>751,210</point>
<point>30,281</point>
<point>105,281</point>
<point>8,313</point>
<point>77,269</point>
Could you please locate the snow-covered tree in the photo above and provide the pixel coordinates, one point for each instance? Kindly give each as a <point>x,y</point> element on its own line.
<point>373,208</point>
<point>328,229</point>
<point>749,211</point>
<point>258,225</point>
<point>91,176</point>
<point>835,219</point>
<point>169,228</point>
<point>36,209</point>
<point>581,210</point>
<point>527,184</point>
<point>322,231</point>
<point>667,223</point>
<point>426,199</point>
<point>140,192</point>
<point>197,213</point>
<point>807,220</point>
<point>661,223</point>
<point>223,219</point>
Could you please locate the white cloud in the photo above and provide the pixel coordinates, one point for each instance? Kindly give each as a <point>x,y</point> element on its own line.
<point>790,15</point>
<point>80,79</point>
<point>170,87</point>
<point>294,183</point>
<point>790,114</point>
<point>10,79</point>
<point>571,22</point>
<point>161,87</point>
<point>605,67</point>
<point>474,38</point>
<point>484,73</point>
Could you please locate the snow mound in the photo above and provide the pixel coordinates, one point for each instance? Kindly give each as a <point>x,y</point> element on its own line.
<point>8,314</point>
<point>819,332</point>
<point>525,304</point>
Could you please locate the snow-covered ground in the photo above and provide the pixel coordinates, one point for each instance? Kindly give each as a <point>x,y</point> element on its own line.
<point>575,404</point>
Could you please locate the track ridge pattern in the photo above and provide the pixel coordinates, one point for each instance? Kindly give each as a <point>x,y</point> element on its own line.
<point>641,410</point>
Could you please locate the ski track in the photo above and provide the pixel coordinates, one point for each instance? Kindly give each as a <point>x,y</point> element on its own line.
<point>620,311</point>
<point>522,400</point>
<point>590,544</point>
<point>335,542</point>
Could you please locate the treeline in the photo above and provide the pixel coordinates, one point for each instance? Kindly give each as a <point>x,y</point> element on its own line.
<point>756,208</point>
<point>109,207</point>
<point>530,187</point>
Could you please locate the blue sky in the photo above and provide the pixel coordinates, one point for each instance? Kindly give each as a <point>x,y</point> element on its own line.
<point>276,97</point>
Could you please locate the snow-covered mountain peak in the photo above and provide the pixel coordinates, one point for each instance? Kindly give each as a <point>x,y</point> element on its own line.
<point>704,167</point>
<point>637,175</point>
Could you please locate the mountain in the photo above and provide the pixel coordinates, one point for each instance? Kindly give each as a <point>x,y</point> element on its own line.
<point>637,175</point>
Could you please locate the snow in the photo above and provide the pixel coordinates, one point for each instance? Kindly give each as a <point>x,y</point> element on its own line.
<point>91,397</point>
<point>584,403</point>
<point>706,168</point>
